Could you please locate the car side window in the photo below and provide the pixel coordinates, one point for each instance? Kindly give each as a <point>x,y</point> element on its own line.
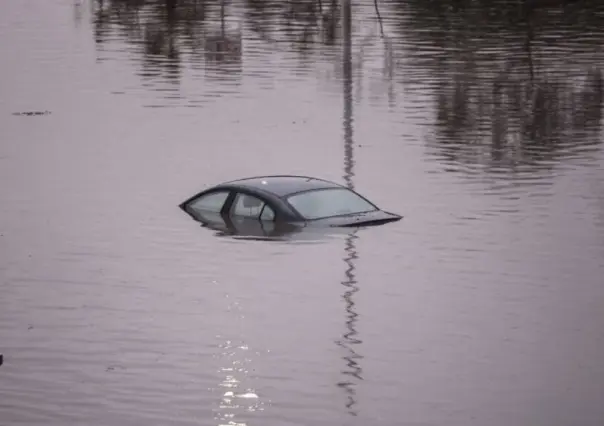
<point>212,202</point>
<point>267,213</point>
<point>248,206</point>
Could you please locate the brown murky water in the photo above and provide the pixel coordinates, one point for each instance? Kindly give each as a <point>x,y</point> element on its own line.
<point>483,306</point>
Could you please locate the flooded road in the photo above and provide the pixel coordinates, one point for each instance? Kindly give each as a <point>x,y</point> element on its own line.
<point>481,125</point>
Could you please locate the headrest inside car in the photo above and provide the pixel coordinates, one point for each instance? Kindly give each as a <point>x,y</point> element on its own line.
<point>251,201</point>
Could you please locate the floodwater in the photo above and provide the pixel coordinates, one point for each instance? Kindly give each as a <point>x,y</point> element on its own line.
<point>481,125</point>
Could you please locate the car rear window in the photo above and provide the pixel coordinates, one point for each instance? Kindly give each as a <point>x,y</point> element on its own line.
<point>323,203</point>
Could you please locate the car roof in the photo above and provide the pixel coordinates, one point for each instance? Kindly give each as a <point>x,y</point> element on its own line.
<point>283,185</point>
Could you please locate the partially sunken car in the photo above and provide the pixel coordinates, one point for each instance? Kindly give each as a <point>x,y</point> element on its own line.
<point>280,204</point>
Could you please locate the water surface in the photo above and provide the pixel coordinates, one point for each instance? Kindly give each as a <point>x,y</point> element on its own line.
<point>481,125</point>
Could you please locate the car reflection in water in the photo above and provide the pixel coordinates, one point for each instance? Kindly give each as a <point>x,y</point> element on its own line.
<point>226,226</point>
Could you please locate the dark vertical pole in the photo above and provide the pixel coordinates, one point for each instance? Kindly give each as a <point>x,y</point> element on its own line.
<point>222,17</point>
<point>352,371</point>
<point>530,35</point>
<point>347,83</point>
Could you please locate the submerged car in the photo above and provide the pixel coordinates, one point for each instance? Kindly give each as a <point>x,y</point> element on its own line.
<point>279,204</point>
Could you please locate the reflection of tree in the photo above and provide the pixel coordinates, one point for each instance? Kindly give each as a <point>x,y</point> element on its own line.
<point>303,23</point>
<point>161,49</point>
<point>505,94</point>
<point>162,31</point>
<point>223,48</point>
<point>526,121</point>
<point>172,25</point>
<point>167,35</point>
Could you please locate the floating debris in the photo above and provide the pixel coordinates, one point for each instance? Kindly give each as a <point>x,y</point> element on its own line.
<point>30,113</point>
<point>1,359</point>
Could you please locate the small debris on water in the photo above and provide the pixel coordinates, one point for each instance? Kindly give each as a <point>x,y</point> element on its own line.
<point>1,359</point>
<point>32,113</point>
<point>114,367</point>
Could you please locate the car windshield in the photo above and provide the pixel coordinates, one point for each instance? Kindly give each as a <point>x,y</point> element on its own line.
<point>322,203</point>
